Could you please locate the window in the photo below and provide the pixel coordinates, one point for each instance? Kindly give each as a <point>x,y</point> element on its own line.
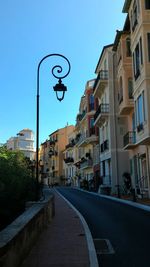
<point>148,45</point>
<point>136,62</point>
<point>128,49</point>
<point>130,88</point>
<point>140,111</point>
<point>91,102</point>
<point>147,4</point>
<point>92,128</point>
<point>143,97</point>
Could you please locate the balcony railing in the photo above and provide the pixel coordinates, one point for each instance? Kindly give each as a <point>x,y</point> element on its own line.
<point>102,109</point>
<point>129,138</point>
<point>86,163</point>
<point>82,115</point>
<point>103,75</point>
<point>69,160</point>
<point>71,144</point>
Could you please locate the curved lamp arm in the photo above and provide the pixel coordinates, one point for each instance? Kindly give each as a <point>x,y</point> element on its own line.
<point>57,88</point>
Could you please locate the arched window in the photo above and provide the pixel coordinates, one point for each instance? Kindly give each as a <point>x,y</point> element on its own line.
<point>128,47</point>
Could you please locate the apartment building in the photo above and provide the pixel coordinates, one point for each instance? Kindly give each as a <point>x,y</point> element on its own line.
<point>51,155</point>
<point>86,134</point>
<point>44,162</point>
<point>138,143</point>
<point>70,156</point>
<point>24,141</point>
<point>113,160</point>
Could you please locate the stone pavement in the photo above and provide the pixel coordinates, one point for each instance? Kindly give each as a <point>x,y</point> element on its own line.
<point>63,243</point>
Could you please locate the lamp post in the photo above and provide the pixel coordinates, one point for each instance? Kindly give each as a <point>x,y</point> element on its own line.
<point>59,87</point>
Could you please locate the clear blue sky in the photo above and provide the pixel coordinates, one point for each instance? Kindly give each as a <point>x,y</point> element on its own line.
<point>31,29</point>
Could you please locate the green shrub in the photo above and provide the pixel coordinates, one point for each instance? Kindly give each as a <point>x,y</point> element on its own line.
<point>16,185</point>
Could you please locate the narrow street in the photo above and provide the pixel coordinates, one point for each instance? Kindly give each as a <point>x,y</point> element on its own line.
<point>126,228</point>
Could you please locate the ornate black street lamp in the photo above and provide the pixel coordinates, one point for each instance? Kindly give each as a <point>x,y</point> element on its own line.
<point>58,88</point>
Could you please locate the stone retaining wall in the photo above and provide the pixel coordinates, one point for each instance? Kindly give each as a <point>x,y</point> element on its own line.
<point>17,239</point>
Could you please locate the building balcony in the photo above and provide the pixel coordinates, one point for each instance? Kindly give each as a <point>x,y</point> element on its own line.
<point>27,148</point>
<point>81,116</point>
<point>88,137</point>
<point>100,83</point>
<point>52,152</point>
<point>86,163</point>
<point>126,105</point>
<point>143,135</point>
<point>129,140</point>
<point>101,114</point>
<point>77,138</point>
<point>69,160</point>
<point>71,144</point>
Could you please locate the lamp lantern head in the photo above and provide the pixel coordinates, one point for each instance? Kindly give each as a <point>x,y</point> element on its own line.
<point>60,87</point>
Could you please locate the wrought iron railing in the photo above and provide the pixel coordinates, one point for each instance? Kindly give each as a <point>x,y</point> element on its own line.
<point>102,109</point>
<point>103,75</point>
<point>129,138</point>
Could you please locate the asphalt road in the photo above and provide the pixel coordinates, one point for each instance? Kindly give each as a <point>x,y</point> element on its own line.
<point>126,227</point>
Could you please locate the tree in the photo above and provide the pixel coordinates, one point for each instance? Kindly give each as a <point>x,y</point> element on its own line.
<point>16,185</point>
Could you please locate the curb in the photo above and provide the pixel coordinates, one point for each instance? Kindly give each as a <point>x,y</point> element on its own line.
<point>91,248</point>
<point>127,202</point>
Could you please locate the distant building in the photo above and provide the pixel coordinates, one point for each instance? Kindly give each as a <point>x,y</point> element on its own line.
<point>70,155</point>
<point>24,141</point>
<point>51,155</point>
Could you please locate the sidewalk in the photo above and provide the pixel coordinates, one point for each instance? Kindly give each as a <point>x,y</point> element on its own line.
<point>143,201</point>
<point>63,243</point>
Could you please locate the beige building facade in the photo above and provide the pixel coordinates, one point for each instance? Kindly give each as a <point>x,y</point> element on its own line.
<point>70,157</point>
<point>139,18</point>
<point>113,160</point>
<point>51,156</point>
<point>87,134</point>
